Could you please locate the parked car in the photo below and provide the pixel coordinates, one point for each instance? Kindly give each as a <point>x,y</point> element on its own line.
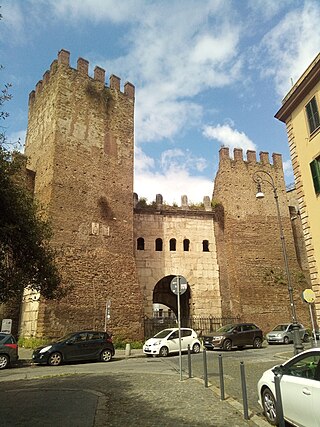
<point>166,342</point>
<point>83,345</point>
<point>283,333</point>
<point>8,350</point>
<point>239,335</point>
<point>299,390</point>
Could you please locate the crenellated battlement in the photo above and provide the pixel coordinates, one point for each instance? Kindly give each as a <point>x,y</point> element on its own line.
<point>159,204</point>
<point>99,75</point>
<point>224,155</point>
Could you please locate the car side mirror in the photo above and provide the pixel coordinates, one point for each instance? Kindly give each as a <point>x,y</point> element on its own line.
<point>278,370</point>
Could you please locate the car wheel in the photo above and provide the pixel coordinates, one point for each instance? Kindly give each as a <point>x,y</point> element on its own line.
<point>55,359</point>
<point>257,343</point>
<point>227,345</point>
<point>269,406</point>
<point>164,351</point>
<point>106,355</point>
<point>285,340</point>
<point>305,338</point>
<point>4,361</point>
<point>196,348</point>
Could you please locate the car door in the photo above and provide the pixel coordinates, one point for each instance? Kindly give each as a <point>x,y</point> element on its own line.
<point>95,341</point>
<point>300,391</point>
<point>173,342</point>
<point>186,338</point>
<point>238,335</point>
<point>77,347</point>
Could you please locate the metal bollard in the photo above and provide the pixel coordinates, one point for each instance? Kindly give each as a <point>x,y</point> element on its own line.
<point>277,379</point>
<point>222,397</point>
<point>189,362</point>
<point>244,392</point>
<point>205,368</point>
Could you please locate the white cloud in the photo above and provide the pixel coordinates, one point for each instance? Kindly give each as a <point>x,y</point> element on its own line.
<point>172,186</point>
<point>171,177</point>
<point>290,46</point>
<point>288,171</point>
<point>229,137</point>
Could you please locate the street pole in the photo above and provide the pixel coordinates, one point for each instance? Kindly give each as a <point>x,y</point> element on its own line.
<point>179,326</point>
<point>297,342</point>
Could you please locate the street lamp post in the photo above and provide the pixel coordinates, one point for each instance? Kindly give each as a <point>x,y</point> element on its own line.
<point>263,176</point>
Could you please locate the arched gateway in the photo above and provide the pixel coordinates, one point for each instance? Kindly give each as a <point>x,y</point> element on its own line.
<point>162,294</point>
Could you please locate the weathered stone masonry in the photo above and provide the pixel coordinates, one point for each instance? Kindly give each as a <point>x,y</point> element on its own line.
<point>80,153</point>
<point>80,146</point>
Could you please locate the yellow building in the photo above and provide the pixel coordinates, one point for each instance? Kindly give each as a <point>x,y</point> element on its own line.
<point>300,112</point>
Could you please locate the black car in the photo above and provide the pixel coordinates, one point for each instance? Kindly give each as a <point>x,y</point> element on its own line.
<point>234,335</point>
<point>8,350</point>
<point>83,345</point>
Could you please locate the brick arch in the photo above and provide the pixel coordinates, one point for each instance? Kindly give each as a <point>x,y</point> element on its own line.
<point>162,294</point>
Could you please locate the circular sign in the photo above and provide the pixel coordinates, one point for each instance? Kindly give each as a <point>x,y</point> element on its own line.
<point>175,282</point>
<point>309,296</point>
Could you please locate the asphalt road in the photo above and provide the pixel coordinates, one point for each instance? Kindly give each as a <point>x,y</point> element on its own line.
<point>124,392</point>
<point>136,391</point>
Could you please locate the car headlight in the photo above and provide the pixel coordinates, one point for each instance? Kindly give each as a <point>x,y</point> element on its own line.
<point>157,342</point>
<point>278,335</point>
<point>44,349</point>
<point>218,337</point>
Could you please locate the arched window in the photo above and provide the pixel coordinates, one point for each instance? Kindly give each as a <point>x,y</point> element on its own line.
<point>205,245</point>
<point>173,244</point>
<point>186,245</point>
<point>158,244</point>
<point>140,244</point>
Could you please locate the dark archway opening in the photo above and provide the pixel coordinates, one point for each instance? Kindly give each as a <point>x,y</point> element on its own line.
<point>162,294</point>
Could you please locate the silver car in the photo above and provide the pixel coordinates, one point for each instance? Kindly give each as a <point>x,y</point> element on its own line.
<point>283,333</point>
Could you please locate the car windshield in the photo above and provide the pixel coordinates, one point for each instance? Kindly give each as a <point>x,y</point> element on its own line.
<point>226,328</point>
<point>163,334</point>
<point>280,328</point>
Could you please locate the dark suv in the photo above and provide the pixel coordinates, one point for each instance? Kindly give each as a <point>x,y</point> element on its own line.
<point>239,335</point>
<point>8,350</point>
<point>84,345</point>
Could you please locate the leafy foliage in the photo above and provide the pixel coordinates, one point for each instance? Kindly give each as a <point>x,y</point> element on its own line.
<point>26,259</point>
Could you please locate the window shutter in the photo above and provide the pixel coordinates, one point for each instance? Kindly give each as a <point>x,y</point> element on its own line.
<point>315,172</point>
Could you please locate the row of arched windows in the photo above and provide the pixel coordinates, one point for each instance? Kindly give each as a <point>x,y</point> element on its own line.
<point>172,245</point>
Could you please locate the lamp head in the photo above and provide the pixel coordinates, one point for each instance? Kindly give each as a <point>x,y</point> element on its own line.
<point>259,194</point>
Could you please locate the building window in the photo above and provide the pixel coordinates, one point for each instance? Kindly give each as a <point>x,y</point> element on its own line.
<point>315,172</point>
<point>158,244</point>
<point>205,245</point>
<point>173,244</point>
<point>140,244</point>
<point>186,245</point>
<point>313,114</point>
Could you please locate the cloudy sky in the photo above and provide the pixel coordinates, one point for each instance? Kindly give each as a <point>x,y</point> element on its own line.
<point>208,73</point>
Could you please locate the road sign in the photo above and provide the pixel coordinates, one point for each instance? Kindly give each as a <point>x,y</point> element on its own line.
<point>174,285</point>
<point>309,296</point>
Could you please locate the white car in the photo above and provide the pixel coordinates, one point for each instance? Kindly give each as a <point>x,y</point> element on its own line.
<point>300,390</point>
<point>167,341</point>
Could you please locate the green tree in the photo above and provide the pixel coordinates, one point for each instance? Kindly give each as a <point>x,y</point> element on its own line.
<point>26,258</point>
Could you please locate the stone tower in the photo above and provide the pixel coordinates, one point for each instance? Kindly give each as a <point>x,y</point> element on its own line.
<point>80,146</point>
<point>252,273</point>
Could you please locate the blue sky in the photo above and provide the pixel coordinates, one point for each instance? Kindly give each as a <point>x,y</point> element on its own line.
<point>207,74</point>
